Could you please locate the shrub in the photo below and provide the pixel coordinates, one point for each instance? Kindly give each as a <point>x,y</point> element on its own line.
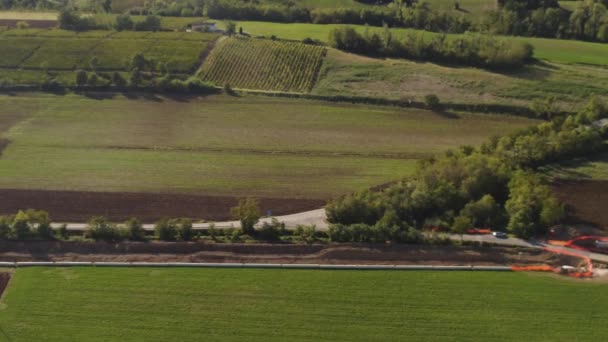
<point>271,231</point>
<point>165,230</point>
<point>100,229</point>
<point>213,232</point>
<point>307,234</point>
<point>5,227</point>
<point>53,85</point>
<point>184,229</point>
<point>432,102</point>
<point>123,22</point>
<point>135,230</point>
<point>248,213</point>
<point>44,230</point>
<point>21,226</point>
<point>81,78</point>
<point>22,25</point>
<point>62,232</point>
<point>118,80</point>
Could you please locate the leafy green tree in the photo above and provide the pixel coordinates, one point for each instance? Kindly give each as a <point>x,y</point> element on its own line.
<point>99,228</point>
<point>484,213</point>
<point>135,77</point>
<point>21,226</point>
<point>432,102</point>
<point>5,227</point>
<point>184,229</point>
<point>165,230</point>
<point>94,63</point>
<point>124,23</point>
<point>81,78</point>
<point>118,80</point>
<point>461,225</point>
<point>248,213</point>
<point>135,230</point>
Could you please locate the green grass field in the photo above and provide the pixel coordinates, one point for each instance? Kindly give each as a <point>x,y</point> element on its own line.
<point>263,64</point>
<point>348,74</point>
<point>223,145</point>
<point>556,50</point>
<point>110,304</point>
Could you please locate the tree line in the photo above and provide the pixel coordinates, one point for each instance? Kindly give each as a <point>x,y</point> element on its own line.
<point>494,186</point>
<point>471,49</point>
<point>589,21</point>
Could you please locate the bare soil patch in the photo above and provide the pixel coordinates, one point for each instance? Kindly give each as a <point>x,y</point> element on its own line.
<point>4,278</point>
<point>273,253</point>
<point>3,144</point>
<point>40,24</point>
<point>76,206</point>
<point>586,201</point>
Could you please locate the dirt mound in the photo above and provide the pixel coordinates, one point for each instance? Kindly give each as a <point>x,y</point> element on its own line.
<point>586,201</point>
<point>271,253</point>
<point>76,206</point>
<point>4,278</point>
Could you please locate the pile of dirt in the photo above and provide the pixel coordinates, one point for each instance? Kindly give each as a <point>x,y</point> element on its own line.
<point>4,278</point>
<point>586,201</point>
<point>272,253</point>
<point>78,206</point>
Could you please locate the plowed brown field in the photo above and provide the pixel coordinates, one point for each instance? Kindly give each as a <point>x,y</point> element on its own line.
<point>77,206</point>
<point>587,201</point>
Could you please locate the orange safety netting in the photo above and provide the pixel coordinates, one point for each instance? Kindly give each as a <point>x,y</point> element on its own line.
<point>533,268</point>
<point>546,268</point>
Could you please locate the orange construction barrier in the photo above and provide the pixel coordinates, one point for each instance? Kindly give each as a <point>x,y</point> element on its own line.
<point>547,268</point>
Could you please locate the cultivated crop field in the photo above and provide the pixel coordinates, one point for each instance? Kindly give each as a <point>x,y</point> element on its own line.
<point>263,64</point>
<point>67,50</point>
<point>102,304</point>
<point>223,146</point>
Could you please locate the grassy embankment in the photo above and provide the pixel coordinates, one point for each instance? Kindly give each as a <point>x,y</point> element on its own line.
<point>102,304</point>
<point>219,145</point>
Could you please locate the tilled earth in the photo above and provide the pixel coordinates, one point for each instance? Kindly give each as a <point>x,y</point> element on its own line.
<point>586,201</point>
<point>79,206</point>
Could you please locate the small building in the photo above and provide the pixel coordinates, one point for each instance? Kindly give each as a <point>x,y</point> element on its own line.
<point>204,27</point>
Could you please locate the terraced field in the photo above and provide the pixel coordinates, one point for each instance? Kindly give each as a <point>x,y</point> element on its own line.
<point>67,50</point>
<point>263,64</point>
<point>169,304</point>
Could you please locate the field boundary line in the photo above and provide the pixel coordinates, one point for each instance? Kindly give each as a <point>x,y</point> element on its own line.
<point>21,264</point>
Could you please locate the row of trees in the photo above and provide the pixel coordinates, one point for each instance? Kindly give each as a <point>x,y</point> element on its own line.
<point>494,186</point>
<point>70,19</point>
<point>589,21</point>
<point>471,49</point>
